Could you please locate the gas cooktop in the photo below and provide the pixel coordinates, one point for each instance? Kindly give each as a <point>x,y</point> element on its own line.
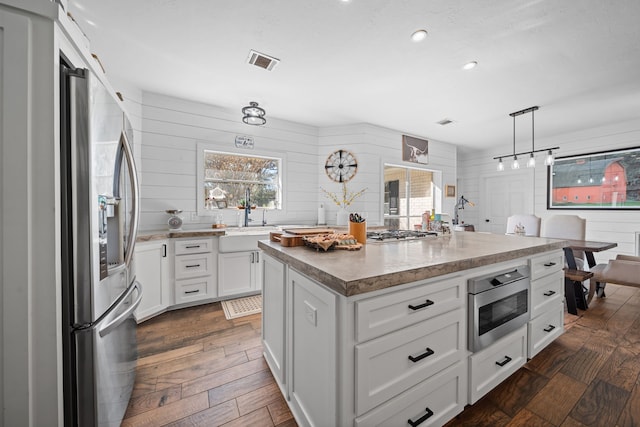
<point>394,235</point>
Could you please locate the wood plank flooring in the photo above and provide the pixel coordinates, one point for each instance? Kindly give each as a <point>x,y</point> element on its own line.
<point>198,369</point>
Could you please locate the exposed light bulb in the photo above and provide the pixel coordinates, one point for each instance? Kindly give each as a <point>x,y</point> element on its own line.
<point>500,167</point>
<point>579,180</point>
<point>531,163</point>
<point>549,160</point>
<point>515,164</point>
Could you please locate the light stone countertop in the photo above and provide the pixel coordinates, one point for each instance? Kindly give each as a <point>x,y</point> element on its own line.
<point>148,236</point>
<point>384,264</point>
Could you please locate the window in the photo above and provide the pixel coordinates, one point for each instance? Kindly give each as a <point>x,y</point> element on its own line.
<point>408,193</point>
<point>228,176</point>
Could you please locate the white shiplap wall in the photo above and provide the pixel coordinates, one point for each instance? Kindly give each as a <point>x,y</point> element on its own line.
<point>172,129</point>
<point>603,225</point>
<point>374,146</point>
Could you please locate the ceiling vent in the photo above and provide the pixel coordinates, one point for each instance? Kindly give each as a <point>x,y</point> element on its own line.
<point>261,60</point>
<point>445,122</point>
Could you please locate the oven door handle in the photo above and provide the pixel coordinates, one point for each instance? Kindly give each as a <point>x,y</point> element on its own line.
<point>506,360</point>
<point>427,303</point>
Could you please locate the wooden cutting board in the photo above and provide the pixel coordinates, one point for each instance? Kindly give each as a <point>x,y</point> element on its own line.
<point>289,240</point>
<point>308,231</point>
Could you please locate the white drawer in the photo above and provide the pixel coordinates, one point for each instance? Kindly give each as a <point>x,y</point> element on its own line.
<point>546,292</point>
<point>193,246</point>
<point>545,328</point>
<point>389,365</point>
<point>193,289</point>
<point>380,315</point>
<point>545,264</point>
<point>194,265</point>
<point>444,395</point>
<point>494,364</point>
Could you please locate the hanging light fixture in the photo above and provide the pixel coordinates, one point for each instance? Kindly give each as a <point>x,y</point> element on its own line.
<point>253,115</point>
<point>515,164</point>
<point>531,162</point>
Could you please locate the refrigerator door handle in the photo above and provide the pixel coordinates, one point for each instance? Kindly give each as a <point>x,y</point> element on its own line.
<point>123,316</point>
<point>135,213</point>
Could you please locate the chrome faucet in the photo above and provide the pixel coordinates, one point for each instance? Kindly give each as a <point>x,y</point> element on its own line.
<point>247,206</point>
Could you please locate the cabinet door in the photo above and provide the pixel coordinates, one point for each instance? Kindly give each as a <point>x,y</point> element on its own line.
<point>273,317</point>
<point>312,378</point>
<point>235,273</point>
<point>152,271</point>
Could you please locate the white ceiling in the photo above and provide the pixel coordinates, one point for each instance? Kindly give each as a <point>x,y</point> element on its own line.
<point>352,62</point>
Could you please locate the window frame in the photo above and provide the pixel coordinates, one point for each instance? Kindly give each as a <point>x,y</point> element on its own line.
<point>200,170</point>
<point>436,190</point>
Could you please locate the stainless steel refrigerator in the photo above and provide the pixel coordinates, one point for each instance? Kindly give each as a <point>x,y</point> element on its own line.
<point>98,222</point>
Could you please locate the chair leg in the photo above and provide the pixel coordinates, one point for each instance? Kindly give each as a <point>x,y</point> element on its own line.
<point>600,289</point>
<point>593,286</point>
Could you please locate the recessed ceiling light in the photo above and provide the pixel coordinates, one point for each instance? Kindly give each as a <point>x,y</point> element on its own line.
<point>419,35</point>
<point>90,22</point>
<point>470,65</point>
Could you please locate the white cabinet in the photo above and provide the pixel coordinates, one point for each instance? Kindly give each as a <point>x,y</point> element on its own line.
<point>430,403</point>
<point>393,363</point>
<point>239,272</point>
<point>273,317</point>
<point>491,366</point>
<point>546,302</point>
<point>195,269</point>
<point>312,378</point>
<point>152,269</point>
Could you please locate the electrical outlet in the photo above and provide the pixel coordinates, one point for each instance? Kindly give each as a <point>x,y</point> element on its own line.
<point>311,313</point>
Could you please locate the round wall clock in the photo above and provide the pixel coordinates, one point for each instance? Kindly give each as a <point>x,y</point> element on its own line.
<point>341,166</point>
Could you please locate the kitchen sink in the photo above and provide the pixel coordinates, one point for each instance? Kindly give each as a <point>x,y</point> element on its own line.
<point>243,231</point>
<point>241,242</point>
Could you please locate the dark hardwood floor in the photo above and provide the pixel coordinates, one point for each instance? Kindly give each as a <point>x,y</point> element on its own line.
<point>198,369</point>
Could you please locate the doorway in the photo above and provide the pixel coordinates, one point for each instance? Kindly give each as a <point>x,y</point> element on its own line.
<point>504,195</point>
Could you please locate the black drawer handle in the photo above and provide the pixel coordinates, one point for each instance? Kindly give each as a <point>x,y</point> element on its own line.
<point>550,264</point>
<point>421,419</point>
<point>549,293</point>
<point>427,303</point>
<point>192,265</point>
<point>506,360</point>
<point>192,247</point>
<point>427,353</point>
<point>192,292</point>
<point>549,328</point>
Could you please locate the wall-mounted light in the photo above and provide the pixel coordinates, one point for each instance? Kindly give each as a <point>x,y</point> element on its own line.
<point>531,162</point>
<point>253,115</point>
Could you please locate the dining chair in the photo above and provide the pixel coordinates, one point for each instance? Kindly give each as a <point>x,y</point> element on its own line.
<point>624,270</point>
<point>531,224</point>
<point>570,227</point>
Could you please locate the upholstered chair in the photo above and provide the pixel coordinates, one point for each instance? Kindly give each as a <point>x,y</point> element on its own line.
<point>570,227</point>
<point>531,224</point>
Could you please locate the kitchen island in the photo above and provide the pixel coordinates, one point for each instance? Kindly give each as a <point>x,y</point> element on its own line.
<point>379,336</point>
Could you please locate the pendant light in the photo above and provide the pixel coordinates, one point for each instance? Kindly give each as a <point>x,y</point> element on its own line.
<point>531,162</point>
<point>515,164</point>
<point>253,115</point>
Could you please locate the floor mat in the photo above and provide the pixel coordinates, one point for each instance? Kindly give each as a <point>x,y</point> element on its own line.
<point>242,306</point>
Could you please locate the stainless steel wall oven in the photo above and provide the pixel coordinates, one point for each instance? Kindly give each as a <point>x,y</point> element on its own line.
<point>498,305</point>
